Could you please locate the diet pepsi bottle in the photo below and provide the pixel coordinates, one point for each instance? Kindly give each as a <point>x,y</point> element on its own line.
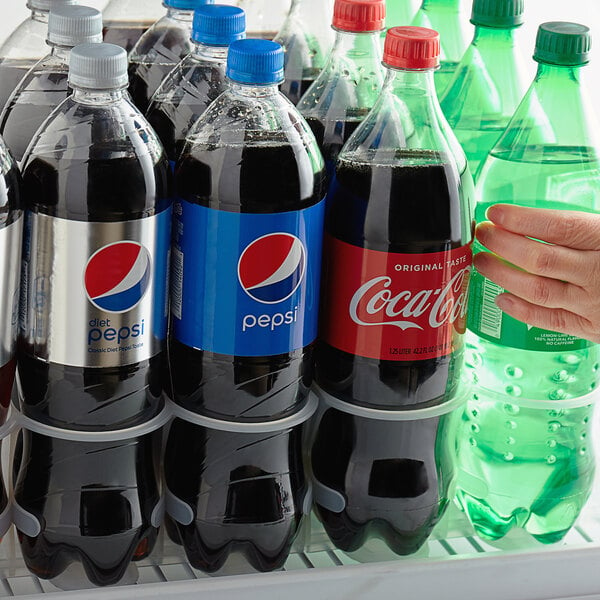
<point>11,231</point>
<point>247,248</point>
<point>199,79</point>
<point>94,277</point>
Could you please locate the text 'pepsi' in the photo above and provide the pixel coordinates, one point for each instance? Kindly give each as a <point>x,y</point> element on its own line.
<point>94,287</point>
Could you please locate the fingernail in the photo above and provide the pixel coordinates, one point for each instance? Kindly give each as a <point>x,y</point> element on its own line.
<point>494,213</point>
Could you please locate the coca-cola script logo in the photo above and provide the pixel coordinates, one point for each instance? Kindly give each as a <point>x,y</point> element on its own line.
<point>376,300</point>
<point>394,306</point>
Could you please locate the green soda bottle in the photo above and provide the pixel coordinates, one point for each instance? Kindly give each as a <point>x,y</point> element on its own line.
<point>490,80</point>
<point>447,18</point>
<point>526,455</point>
<point>399,13</point>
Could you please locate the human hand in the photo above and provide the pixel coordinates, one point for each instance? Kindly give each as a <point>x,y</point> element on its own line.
<point>553,285</point>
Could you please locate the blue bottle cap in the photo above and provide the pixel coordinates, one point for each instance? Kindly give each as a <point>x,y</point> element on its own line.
<point>219,25</point>
<point>255,62</point>
<point>187,4</point>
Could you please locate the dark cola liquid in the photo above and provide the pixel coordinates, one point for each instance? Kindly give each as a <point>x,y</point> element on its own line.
<point>118,189</point>
<point>294,88</point>
<point>125,34</point>
<point>394,478</point>
<point>233,387</point>
<point>332,135</point>
<point>95,503</point>
<point>246,491</point>
<point>11,73</point>
<point>172,119</point>
<point>402,209</point>
<point>24,115</point>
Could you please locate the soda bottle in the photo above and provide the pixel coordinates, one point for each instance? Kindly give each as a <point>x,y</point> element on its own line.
<point>307,39</point>
<point>199,79</point>
<point>11,232</point>
<point>125,21</point>
<point>94,298</point>
<point>25,46</point>
<point>44,87</point>
<point>346,90</point>
<point>490,80</point>
<point>160,49</point>
<point>446,17</point>
<point>548,157</point>
<point>93,499</point>
<point>399,12</point>
<point>264,18</point>
<point>237,488</point>
<point>397,244</point>
<point>251,183</point>
<point>382,474</point>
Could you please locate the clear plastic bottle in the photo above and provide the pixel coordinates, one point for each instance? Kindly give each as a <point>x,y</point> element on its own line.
<point>199,79</point>
<point>264,18</point>
<point>160,49</point>
<point>350,83</point>
<point>446,17</point>
<point>45,86</point>
<point>307,39</point>
<point>25,46</point>
<point>528,457</point>
<point>125,21</point>
<point>96,178</point>
<point>490,81</point>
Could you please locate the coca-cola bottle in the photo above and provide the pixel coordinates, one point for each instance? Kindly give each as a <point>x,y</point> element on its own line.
<point>397,244</point>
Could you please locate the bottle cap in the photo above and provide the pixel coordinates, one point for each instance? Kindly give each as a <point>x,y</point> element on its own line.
<point>412,48</point>
<point>186,4</point>
<point>98,67</point>
<point>219,25</point>
<point>499,14</point>
<point>73,25</point>
<point>359,16</point>
<point>47,5</point>
<point>255,62</point>
<point>563,44</point>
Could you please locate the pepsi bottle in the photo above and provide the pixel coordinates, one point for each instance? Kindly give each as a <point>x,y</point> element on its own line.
<point>94,285</point>
<point>247,248</point>
<point>198,79</point>
<point>11,232</point>
<point>97,502</point>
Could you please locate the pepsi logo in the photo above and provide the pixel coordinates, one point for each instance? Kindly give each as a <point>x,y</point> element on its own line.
<point>272,267</point>
<point>117,276</point>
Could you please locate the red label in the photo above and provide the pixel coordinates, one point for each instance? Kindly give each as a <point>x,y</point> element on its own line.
<point>394,306</point>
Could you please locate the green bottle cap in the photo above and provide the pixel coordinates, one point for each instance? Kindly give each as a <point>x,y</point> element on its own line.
<point>499,14</point>
<point>563,44</point>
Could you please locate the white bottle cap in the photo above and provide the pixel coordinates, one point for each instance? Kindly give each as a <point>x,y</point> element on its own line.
<point>98,67</point>
<point>47,5</point>
<point>73,25</point>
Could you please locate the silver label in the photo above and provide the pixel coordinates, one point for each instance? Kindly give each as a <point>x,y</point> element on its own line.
<point>95,294</point>
<point>10,258</point>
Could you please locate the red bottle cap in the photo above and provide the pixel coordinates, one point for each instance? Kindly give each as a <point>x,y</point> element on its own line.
<point>412,48</point>
<point>359,16</point>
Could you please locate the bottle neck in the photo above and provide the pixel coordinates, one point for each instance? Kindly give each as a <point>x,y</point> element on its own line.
<point>489,36</point>
<point>453,5</point>
<point>416,89</point>
<point>315,9</point>
<point>97,97</point>
<point>253,91</point>
<point>61,53</point>
<point>40,15</point>
<point>214,53</point>
<point>178,14</point>
<point>357,46</point>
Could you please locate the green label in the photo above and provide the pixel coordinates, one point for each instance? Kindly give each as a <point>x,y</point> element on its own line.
<point>487,321</point>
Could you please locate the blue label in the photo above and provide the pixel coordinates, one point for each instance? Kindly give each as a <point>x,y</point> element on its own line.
<point>246,284</point>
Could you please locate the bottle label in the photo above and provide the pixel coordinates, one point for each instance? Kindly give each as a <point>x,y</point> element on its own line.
<point>10,253</point>
<point>392,306</point>
<point>95,294</point>
<point>246,284</point>
<point>487,321</point>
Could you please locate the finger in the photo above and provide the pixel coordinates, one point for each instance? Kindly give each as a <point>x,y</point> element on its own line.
<point>551,319</point>
<point>572,229</point>
<point>541,291</point>
<point>557,262</point>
